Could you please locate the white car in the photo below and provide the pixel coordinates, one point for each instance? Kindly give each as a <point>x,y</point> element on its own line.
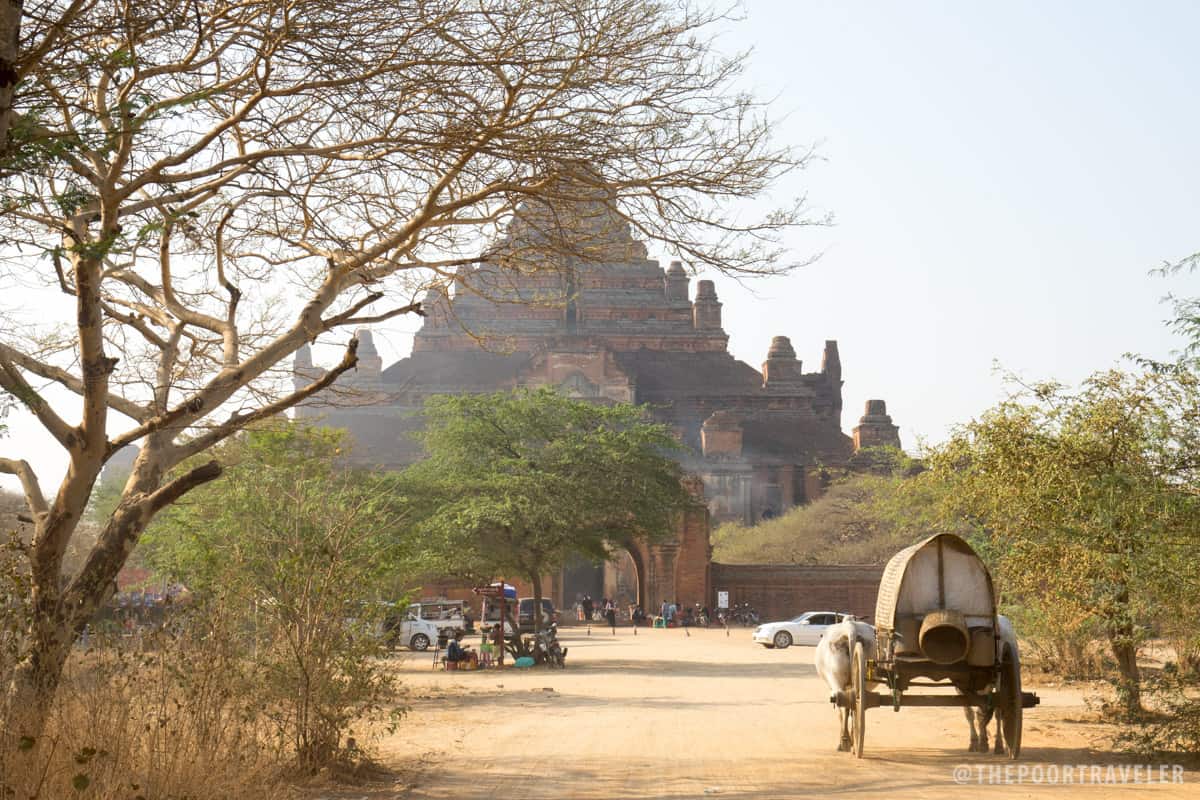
<point>808,628</point>
<point>411,632</point>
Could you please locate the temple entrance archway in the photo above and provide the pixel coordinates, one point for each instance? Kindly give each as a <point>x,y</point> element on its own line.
<point>621,578</point>
<point>581,577</point>
<point>672,571</point>
<point>624,578</point>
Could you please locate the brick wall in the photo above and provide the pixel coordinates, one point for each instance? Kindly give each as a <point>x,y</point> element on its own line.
<point>693,560</point>
<point>784,591</point>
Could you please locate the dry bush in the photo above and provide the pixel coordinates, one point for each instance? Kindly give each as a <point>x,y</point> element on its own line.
<point>164,716</point>
<point>1181,633</point>
<point>192,710</point>
<point>1188,652</point>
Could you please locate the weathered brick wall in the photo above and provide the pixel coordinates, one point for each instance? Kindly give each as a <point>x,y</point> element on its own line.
<point>783,591</point>
<point>692,562</point>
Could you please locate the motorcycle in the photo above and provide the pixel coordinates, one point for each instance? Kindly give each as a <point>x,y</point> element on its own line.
<point>743,614</point>
<point>547,650</point>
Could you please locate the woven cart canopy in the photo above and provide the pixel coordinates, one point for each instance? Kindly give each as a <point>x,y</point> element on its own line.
<point>941,572</point>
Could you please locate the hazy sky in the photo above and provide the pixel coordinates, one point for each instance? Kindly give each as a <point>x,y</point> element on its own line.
<point>1003,176</point>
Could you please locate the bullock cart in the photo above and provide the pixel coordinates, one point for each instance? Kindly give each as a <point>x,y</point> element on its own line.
<point>936,625</point>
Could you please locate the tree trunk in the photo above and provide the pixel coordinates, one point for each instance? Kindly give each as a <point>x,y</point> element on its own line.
<point>536,581</point>
<point>59,614</point>
<point>51,623</point>
<point>1123,641</point>
<point>35,679</point>
<point>57,619</point>
<point>1129,684</point>
<point>10,36</point>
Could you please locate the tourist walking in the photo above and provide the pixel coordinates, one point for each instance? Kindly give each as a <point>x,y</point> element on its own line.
<point>610,614</point>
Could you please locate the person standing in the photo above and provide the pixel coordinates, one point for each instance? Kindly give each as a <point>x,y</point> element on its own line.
<point>610,614</point>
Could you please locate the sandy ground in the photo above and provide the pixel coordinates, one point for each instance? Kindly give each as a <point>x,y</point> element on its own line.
<point>664,715</point>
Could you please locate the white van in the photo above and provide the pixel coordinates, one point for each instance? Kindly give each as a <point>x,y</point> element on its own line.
<point>446,615</point>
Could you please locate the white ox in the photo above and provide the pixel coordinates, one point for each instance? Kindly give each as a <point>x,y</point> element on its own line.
<point>983,716</point>
<point>832,661</point>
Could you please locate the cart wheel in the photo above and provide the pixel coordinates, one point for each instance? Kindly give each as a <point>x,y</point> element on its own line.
<point>1010,701</point>
<point>858,684</point>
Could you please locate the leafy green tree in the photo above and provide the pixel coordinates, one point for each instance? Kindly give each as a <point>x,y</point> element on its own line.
<point>1090,504</point>
<point>298,546</point>
<point>516,483</point>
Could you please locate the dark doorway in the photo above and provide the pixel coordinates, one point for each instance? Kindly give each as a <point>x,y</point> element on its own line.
<point>581,577</point>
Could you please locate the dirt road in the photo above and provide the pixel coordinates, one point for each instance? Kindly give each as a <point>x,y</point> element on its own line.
<point>663,715</point>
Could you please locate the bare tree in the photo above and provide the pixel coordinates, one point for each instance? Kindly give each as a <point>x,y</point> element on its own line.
<point>214,184</point>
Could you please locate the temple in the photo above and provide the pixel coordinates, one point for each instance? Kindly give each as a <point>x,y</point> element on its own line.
<point>604,322</point>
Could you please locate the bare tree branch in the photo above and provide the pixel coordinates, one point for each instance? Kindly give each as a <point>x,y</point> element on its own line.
<point>177,488</point>
<point>29,483</point>
<point>15,384</point>
<point>347,317</point>
<point>239,422</point>
<point>69,381</point>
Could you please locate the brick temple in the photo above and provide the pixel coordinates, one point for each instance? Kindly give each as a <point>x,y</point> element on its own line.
<point>604,322</point>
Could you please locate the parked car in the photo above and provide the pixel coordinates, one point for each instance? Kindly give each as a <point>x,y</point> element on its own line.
<point>525,613</point>
<point>490,614</point>
<point>447,615</point>
<point>808,628</point>
<point>410,631</point>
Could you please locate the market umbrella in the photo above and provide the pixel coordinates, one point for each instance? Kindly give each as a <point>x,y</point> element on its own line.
<point>510,591</point>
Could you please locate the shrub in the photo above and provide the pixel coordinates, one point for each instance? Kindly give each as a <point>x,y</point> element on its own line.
<point>1171,727</point>
<point>294,548</point>
<point>166,715</point>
